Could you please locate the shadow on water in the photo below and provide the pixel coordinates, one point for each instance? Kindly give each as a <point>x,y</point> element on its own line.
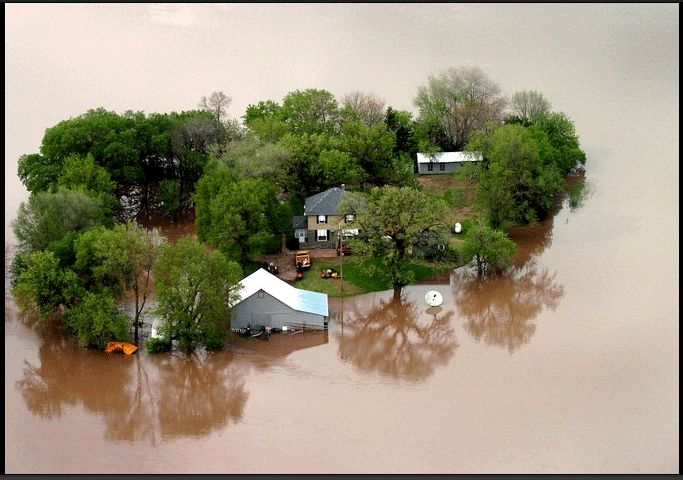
<point>395,338</point>
<point>500,310</point>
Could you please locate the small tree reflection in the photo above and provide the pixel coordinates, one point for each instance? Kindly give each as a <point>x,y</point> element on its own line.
<point>397,340</point>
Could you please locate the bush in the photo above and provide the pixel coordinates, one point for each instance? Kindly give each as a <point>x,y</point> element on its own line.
<point>157,345</point>
<point>97,320</point>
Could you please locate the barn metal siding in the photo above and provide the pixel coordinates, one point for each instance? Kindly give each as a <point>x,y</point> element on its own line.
<point>264,309</point>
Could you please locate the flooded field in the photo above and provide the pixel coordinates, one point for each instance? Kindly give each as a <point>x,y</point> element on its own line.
<point>568,364</point>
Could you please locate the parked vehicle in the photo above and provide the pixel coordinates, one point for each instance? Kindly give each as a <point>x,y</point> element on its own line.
<point>302,260</point>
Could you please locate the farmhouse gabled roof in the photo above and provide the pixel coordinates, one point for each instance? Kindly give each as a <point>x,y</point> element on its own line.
<point>324,203</point>
<point>449,157</point>
<point>295,298</point>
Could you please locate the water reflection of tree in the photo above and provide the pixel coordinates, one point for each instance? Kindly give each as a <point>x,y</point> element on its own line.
<point>396,340</point>
<point>176,397</point>
<point>500,310</point>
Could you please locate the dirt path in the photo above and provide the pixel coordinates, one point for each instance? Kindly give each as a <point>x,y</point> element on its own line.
<point>285,261</point>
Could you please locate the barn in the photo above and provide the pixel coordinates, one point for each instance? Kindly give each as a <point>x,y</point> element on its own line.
<point>265,300</point>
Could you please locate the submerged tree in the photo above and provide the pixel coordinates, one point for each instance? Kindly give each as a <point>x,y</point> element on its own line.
<point>491,250</point>
<point>194,291</point>
<point>391,222</point>
<point>120,259</point>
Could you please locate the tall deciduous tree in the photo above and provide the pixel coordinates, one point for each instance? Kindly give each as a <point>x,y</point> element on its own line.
<point>460,101</point>
<point>515,185</point>
<point>217,104</point>
<point>47,217</point>
<point>194,290</point>
<point>528,105</point>
<point>42,286</point>
<point>122,259</point>
<point>391,222</point>
<point>366,107</point>
<point>310,111</point>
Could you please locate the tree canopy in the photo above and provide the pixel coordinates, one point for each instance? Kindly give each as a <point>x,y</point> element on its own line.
<point>391,221</point>
<point>194,291</point>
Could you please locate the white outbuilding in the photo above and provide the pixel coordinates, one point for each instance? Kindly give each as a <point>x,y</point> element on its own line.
<point>266,300</point>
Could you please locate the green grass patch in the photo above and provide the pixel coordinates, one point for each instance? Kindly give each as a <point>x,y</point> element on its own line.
<point>356,277</point>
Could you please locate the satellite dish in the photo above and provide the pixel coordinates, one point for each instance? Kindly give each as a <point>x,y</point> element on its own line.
<point>433,298</point>
<point>458,228</point>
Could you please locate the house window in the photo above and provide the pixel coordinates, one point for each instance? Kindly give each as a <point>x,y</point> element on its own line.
<point>321,235</point>
<point>442,167</point>
<point>430,166</point>
<point>348,218</point>
<point>322,218</point>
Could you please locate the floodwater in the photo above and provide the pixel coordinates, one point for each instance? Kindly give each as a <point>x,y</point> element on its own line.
<point>568,364</point>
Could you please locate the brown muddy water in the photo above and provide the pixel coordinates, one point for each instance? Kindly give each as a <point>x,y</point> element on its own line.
<point>568,364</point>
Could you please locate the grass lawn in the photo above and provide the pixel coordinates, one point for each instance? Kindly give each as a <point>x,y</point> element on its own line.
<point>356,279</point>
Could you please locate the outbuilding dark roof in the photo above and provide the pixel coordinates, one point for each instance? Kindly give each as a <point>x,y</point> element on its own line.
<point>299,222</point>
<point>324,203</point>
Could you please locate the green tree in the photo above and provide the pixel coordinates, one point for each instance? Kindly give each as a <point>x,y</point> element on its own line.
<point>514,185</point>
<point>97,320</point>
<point>169,197</point>
<point>266,120</point>
<point>47,217</point>
<point>310,111</point>
<point>391,222</point>
<point>491,250</point>
<point>255,157</point>
<point>194,288</point>
<point>566,153</point>
<point>459,102</point>
<point>82,174</point>
<point>120,260</point>
<point>372,147</point>
<point>240,218</point>
<point>42,286</point>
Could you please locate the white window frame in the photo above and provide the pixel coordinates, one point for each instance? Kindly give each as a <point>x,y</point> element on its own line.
<point>324,219</point>
<point>442,167</point>
<point>430,167</point>
<point>319,238</point>
<point>348,218</point>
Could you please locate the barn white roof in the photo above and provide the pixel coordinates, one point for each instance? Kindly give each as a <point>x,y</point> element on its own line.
<point>449,157</point>
<point>295,298</point>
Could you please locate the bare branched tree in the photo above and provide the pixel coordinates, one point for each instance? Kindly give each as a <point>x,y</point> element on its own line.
<point>217,103</point>
<point>369,108</point>
<point>529,105</point>
<point>461,101</point>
